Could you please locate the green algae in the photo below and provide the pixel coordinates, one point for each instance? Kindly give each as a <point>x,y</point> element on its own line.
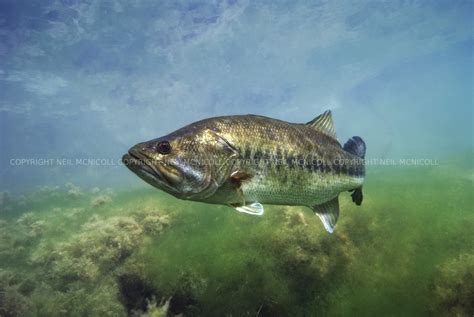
<point>406,251</point>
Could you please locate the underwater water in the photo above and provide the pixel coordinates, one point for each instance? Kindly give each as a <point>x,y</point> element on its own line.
<point>83,81</point>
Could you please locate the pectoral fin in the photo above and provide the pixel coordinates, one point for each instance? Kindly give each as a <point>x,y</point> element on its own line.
<point>328,213</point>
<point>255,209</point>
<point>236,179</point>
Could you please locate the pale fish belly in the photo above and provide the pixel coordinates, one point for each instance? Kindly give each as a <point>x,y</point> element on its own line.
<point>314,190</point>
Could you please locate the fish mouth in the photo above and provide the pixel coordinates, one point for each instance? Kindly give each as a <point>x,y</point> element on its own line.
<point>144,168</point>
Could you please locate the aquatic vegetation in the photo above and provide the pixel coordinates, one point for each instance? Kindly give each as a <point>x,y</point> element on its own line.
<point>154,309</point>
<point>73,190</point>
<point>101,196</point>
<point>271,257</point>
<point>8,247</point>
<point>13,300</point>
<point>99,249</point>
<point>14,303</point>
<point>454,286</point>
<point>146,254</point>
<point>153,222</point>
<point>48,190</point>
<point>78,275</point>
<point>100,200</point>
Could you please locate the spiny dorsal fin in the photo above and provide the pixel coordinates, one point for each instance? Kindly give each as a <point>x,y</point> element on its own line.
<point>328,213</point>
<point>324,124</point>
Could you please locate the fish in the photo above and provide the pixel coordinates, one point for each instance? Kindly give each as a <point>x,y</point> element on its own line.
<point>245,161</point>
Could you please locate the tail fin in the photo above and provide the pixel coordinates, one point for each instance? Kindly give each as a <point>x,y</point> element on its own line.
<point>356,146</point>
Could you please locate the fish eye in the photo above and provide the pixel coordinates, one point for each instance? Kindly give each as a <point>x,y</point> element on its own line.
<point>164,147</point>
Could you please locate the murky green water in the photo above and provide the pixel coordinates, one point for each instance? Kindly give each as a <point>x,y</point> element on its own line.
<point>93,252</point>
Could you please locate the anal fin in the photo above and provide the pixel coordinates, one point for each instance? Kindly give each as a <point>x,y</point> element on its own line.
<point>328,212</point>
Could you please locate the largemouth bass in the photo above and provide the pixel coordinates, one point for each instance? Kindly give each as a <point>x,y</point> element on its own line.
<point>246,161</point>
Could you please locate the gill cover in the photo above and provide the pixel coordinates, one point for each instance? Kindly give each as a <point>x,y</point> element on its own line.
<point>217,160</point>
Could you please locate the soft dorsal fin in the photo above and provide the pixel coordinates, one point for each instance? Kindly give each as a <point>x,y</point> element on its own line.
<point>324,124</point>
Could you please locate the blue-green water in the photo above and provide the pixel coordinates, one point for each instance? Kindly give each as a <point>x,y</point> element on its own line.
<point>82,81</point>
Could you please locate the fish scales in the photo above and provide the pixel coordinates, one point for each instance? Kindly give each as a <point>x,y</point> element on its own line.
<point>255,160</point>
<point>294,181</point>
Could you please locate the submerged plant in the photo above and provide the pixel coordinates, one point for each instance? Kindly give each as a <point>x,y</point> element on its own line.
<point>305,256</point>
<point>48,190</point>
<point>66,256</point>
<point>78,273</point>
<point>101,200</point>
<point>99,249</point>
<point>73,190</point>
<point>13,298</point>
<point>153,309</point>
<point>454,286</point>
<point>30,225</point>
